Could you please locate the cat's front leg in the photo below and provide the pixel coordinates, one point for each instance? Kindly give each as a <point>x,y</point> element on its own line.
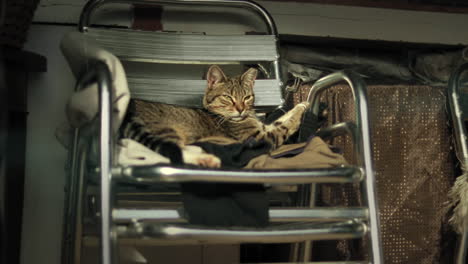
<point>289,123</point>
<point>280,130</point>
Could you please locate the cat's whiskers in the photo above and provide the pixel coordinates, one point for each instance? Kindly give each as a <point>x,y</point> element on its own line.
<point>220,120</point>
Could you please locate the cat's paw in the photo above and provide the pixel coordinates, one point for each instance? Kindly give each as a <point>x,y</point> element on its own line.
<point>294,115</point>
<point>196,156</point>
<point>208,161</point>
<point>303,105</point>
<point>292,119</point>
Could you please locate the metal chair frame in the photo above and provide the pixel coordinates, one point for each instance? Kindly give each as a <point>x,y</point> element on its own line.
<point>458,103</point>
<point>355,222</point>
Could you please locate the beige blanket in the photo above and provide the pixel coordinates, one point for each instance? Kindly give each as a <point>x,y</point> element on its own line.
<point>316,154</point>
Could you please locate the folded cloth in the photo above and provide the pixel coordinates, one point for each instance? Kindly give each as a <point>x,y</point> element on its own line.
<point>236,155</point>
<point>82,107</point>
<point>247,204</point>
<point>315,154</point>
<point>227,205</point>
<point>221,204</point>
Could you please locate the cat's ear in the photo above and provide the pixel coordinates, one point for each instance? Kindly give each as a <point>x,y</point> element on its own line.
<point>248,78</point>
<point>215,75</point>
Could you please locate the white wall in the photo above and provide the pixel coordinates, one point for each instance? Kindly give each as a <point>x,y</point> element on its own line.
<point>45,157</point>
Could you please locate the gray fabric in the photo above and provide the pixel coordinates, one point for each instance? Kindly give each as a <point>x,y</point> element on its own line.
<point>309,64</point>
<point>436,67</point>
<point>329,60</point>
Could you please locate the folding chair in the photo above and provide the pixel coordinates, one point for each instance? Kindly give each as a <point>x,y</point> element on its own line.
<point>96,141</point>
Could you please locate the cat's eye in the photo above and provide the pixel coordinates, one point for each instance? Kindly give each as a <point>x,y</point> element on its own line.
<point>248,97</point>
<point>228,97</point>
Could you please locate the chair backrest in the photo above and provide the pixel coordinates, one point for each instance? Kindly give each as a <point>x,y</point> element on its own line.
<point>141,49</point>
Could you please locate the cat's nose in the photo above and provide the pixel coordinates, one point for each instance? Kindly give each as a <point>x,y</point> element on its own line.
<point>239,109</point>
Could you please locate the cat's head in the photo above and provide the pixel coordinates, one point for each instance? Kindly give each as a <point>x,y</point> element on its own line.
<point>232,98</point>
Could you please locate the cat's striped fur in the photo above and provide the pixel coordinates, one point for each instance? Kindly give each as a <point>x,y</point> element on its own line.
<point>228,116</point>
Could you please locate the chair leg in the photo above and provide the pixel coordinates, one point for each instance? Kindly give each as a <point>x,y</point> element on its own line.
<point>72,220</point>
<point>307,198</point>
<point>78,222</point>
<point>462,248</point>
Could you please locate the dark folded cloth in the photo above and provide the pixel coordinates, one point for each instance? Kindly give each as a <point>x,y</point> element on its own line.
<point>236,155</point>
<point>225,205</point>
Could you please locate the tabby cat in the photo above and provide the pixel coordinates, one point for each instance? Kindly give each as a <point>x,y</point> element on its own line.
<point>228,116</point>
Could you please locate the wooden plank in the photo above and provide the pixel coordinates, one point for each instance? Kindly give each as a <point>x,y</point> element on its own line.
<point>312,19</point>
<point>368,23</point>
<point>453,6</point>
